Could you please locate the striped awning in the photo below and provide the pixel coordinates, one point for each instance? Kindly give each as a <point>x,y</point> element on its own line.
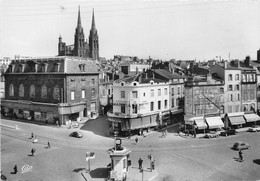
<point>251,117</point>
<point>235,120</point>
<point>201,124</point>
<point>214,122</point>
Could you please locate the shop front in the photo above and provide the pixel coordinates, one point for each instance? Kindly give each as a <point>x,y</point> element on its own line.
<point>214,122</point>
<point>236,120</point>
<point>252,118</point>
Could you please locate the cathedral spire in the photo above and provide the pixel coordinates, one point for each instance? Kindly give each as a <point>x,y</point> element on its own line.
<point>93,27</point>
<point>79,19</point>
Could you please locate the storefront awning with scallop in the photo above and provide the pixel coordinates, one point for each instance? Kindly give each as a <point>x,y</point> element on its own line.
<point>251,117</point>
<point>235,120</point>
<point>214,122</point>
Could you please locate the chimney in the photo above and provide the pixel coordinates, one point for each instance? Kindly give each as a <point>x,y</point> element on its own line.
<point>258,56</point>
<point>225,64</point>
<point>36,67</point>
<point>139,78</point>
<point>247,61</point>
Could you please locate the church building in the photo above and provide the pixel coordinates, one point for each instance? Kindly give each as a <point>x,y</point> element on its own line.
<point>81,47</point>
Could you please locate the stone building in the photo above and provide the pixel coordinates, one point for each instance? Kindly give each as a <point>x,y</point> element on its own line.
<point>81,47</point>
<point>57,89</point>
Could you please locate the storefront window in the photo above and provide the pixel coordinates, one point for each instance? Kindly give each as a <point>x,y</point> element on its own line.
<point>56,92</point>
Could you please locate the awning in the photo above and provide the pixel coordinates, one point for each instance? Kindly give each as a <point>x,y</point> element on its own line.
<point>191,120</point>
<point>201,124</point>
<point>146,121</point>
<point>251,117</point>
<point>214,122</point>
<point>135,123</point>
<point>114,119</point>
<point>235,120</point>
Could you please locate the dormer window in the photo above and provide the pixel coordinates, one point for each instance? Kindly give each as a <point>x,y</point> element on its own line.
<point>36,67</point>
<point>57,67</point>
<point>21,67</point>
<point>44,67</point>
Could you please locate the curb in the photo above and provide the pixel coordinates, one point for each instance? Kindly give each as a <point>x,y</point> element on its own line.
<point>13,127</point>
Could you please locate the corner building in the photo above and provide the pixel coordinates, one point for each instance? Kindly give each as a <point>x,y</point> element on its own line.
<point>57,89</point>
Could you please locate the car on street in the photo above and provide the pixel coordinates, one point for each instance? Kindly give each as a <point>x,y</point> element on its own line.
<point>212,134</point>
<point>254,128</point>
<point>240,146</point>
<point>76,134</point>
<point>228,132</point>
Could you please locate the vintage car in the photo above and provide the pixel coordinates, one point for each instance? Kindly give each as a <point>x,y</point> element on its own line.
<point>254,128</point>
<point>240,146</point>
<point>76,134</point>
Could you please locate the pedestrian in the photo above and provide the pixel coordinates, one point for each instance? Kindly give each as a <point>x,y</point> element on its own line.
<point>49,145</point>
<point>241,158</point>
<point>140,162</point>
<point>33,151</point>
<point>32,135</point>
<point>15,169</point>
<point>136,140</point>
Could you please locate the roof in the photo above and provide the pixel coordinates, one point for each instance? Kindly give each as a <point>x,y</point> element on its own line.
<point>168,74</point>
<point>133,78</point>
<point>67,64</point>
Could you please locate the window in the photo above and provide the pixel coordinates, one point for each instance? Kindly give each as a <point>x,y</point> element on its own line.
<point>159,92</point>
<point>237,87</point>
<point>72,95</point>
<point>44,91</point>
<point>21,90</point>
<point>56,92</point>
<point>238,97</point>
<point>152,93</point>
<point>83,94</point>
<point>108,91</point>
<point>245,108</point>
<point>144,94</point>
<point>221,90</point>
<point>245,96</point>
<point>172,91</point>
<point>252,96</point>
<point>172,102</point>
<point>93,107</point>
<point>122,94</point>
<point>122,108</point>
<point>237,77</point>
<point>230,88</point>
<point>92,93</point>
<point>252,107</point>
<point>231,97</point>
<point>92,81</point>
<point>177,101</point>
<point>229,109</point>
<point>134,107</point>
<point>237,107</point>
<point>11,90</point>
<point>165,91</point>
<point>124,163</point>
<point>32,91</point>
<point>179,90</point>
<point>159,105</point>
<point>151,106</point>
<point>230,77</point>
<point>165,104</point>
<point>134,94</point>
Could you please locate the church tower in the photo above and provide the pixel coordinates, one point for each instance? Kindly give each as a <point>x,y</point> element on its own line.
<point>80,47</point>
<point>93,40</point>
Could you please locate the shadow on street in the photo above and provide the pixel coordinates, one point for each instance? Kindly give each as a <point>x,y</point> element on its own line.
<point>257,161</point>
<point>99,173</point>
<point>98,126</point>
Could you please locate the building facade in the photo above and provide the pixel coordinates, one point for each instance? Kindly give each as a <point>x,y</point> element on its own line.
<point>56,89</point>
<point>138,102</point>
<point>81,47</point>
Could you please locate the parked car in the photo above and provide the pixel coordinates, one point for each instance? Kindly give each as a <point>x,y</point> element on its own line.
<point>228,132</point>
<point>254,128</point>
<point>76,134</point>
<point>212,134</point>
<point>240,145</point>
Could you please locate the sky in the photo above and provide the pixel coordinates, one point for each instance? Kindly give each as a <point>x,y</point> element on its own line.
<point>169,29</point>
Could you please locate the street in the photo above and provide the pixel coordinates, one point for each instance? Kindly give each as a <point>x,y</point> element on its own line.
<point>176,158</point>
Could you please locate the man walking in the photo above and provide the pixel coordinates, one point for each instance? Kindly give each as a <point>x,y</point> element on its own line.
<point>240,155</point>
<point>49,145</point>
<point>32,135</point>
<point>15,169</point>
<point>140,161</point>
<point>136,140</point>
<point>32,151</point>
